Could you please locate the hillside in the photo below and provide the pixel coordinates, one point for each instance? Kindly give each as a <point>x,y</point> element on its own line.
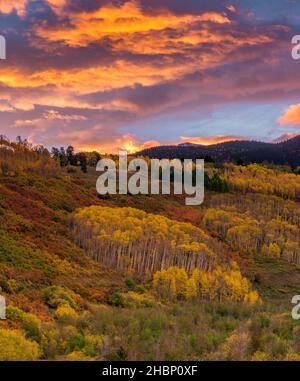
<point>71,261</point>
<point>246,152</point>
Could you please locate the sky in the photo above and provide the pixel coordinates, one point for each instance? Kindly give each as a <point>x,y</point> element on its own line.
<point>130,74</point>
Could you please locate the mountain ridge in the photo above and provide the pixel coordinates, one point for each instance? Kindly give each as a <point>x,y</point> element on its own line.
<point>238,151</point>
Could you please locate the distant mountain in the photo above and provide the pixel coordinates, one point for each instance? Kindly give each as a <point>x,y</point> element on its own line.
<point>287,152</point>
<point>187,144</point>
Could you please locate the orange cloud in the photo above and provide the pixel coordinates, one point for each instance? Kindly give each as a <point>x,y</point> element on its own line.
<point>127,28</point>
<point>139,47</point>
<point>131,144</point>
<point>57,4</point>
<point>290,116</point>
<point>169,42</point>
<point>87,80</point>
<point>121,22</point>
<point>7,6</point>
<point>125,142</point>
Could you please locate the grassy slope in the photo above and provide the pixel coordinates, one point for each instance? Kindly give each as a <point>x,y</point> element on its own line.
<point>36,248</point>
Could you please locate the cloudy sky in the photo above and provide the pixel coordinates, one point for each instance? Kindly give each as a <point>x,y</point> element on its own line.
<point>110,74</point>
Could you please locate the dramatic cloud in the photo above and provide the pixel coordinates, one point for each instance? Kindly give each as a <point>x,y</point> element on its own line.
<point>18,6</point>
<point>120,23</point>
<point>291,116</point>
<point>109,74</point>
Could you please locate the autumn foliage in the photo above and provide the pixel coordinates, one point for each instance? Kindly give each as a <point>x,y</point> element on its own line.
<point>222,284</point>
<point>275,237</point>
<point>134,241</point>
<point>260,179</point>
<point>113,282</point>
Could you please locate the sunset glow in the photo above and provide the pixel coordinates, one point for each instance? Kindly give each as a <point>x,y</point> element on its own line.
<point>120,75</point>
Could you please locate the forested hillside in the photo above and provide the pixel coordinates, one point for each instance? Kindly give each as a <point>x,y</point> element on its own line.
<point>246,152</point>
<point>146,277</point>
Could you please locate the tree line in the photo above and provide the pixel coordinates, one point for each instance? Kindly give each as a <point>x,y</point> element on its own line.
<point>22,156</point>
<point>68,158</point>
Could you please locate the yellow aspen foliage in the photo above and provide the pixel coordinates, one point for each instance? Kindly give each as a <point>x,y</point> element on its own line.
<point>222,284</point>
<point>260,356</point>
<point>292,356</point>
<point>252,298</point>
<point>172,283</point>
<point>275,238</point>
<point>260,179</point>
<point>273,250</point>
<point>191,290</point>
<point>140,243</point>
<point>65,313</point>
<point>15,347</point>
<point>78,356</point>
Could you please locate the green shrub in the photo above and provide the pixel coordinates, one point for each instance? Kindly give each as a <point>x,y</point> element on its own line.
<point>116,299</point>
<point>56,296</point>
<point>28,322</point>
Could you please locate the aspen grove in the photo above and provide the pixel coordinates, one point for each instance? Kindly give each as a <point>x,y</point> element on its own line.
<point>132,240</point>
